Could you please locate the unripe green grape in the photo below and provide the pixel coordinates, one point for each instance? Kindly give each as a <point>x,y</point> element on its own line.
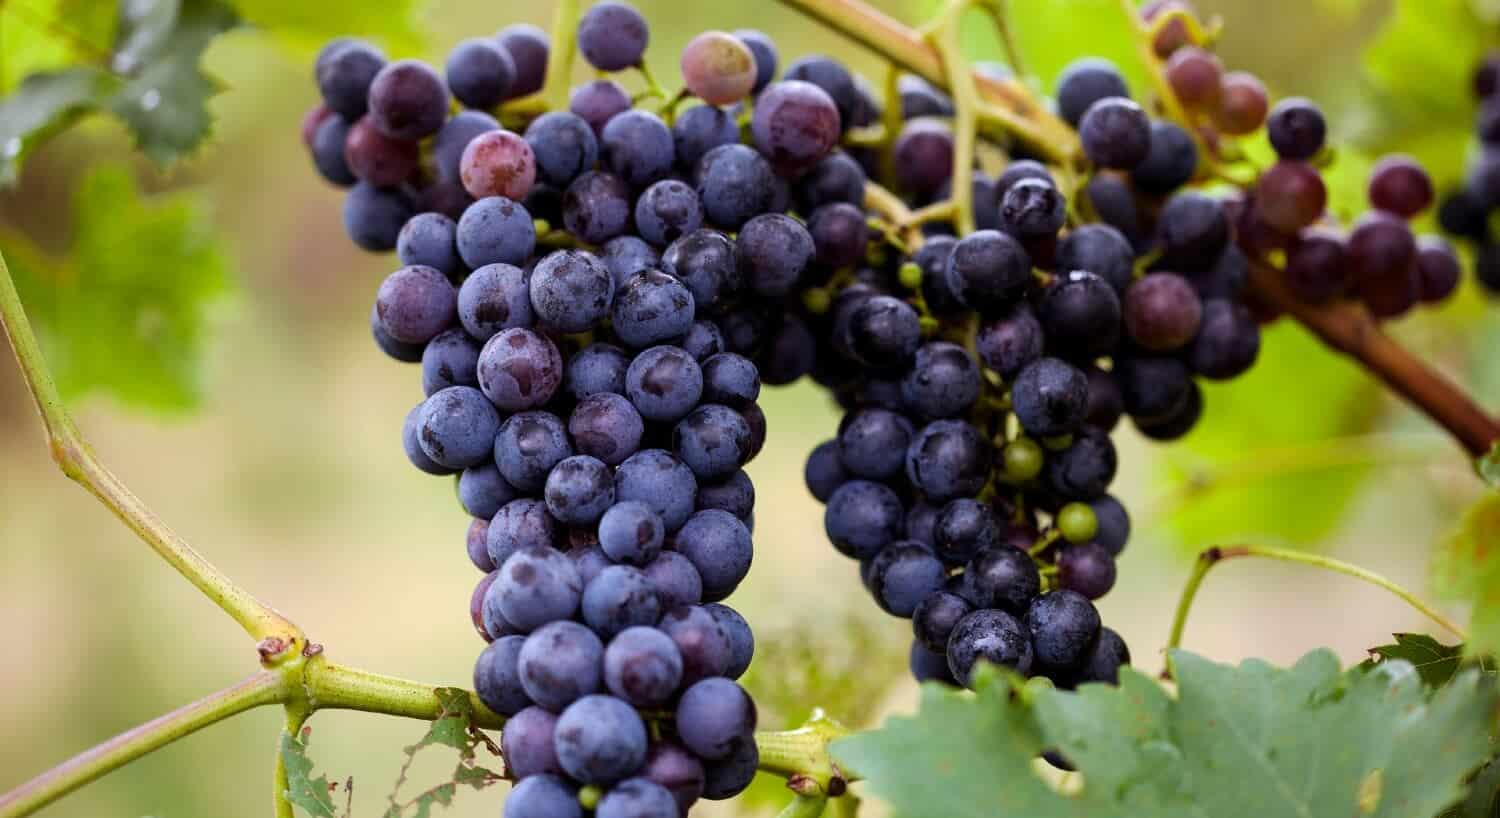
<point>1023,459</point>
<point>1077,523</point>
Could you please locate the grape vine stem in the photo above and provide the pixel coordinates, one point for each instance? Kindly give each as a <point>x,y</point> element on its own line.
<point>77,459</point>
<point>1213,556</point>
<point>1346,328</point>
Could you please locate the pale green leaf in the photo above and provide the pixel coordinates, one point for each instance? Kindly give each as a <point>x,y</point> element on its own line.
<point>1467,567</point>
<point>313,795</point>
<point>396,24</point>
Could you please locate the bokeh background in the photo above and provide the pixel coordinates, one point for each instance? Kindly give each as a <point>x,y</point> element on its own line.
<point>290,475</point>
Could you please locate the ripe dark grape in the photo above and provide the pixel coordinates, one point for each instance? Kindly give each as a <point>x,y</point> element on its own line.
<point>497,678</point>
<point>482,491</point>
<point>448,146</point>
<point>700,129</point>
<point>948,459</point>
<point>963,528</point>
<point>919,98</point>
<point>480,72</point>
<point>376,158</point>
<point>741,640</point>
<point>943,381</point>
<point>1170,163</point>
<point>1290,196</point>
<point>718,545</point>
<point>344,73</point>
<point>1084,470</point>
<point>1103,663</point>
<point>560,663</point>
<point>1438,269</point>
<point>903,574</point>
<point>1087,568</point>
<point>542,795</point>
<point>1317,267</point>
<point>993,636</point>
<point>1081,315</point>
<point>1296,128</point>
<point>661,481</point>
<point>1381,248</point>
<point>408,100</point>
<point>1193,230</point>
<point>923,156</point>
<point>1162,312</point>
<point>327,147</point>
<point>600,740</point>
<point>1116,133</point>
<point>1010,342</point>
<point>666,211</point>
<point>987,270</point>
<point>1062,626</point>
<point>563,146</point>
<point>795,124</point>
<point>706,650</point>
<point>598,102</point>
<point>714,717</point>
<point>863,517</point>
<point>495,230</point>
<point>450,359</point>
<point>596,207</point>
<point>528,48</point>
<point>415,303</point>
<point>936,616</point>
<point>519,369</point>
<point>1050,398</point>
<point>772,252</point>
<point>528,744</point>
<point>999,576</point>
<point>636,146</point>
<point>1099,249</point>
<point>1085,82</point>
<point>674,768</point>
<point>735,183</point>
<point>833,79</point>
<point>429,239</point>
<point>494,297</point>
<point>766,58</point>
<point>1033,208</point>
<point>676,580</point>
<point>664,383</point>
<point>1401,186</point>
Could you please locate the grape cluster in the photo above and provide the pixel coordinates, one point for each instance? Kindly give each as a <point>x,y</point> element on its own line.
<point>596,296</point>
<point>1377,261</point>
<point>1467,212</point>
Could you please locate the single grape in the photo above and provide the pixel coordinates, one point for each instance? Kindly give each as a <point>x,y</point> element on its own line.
<point>1105,660</point>
<point>1437,268</point>
<point>1008,343</point>
<point>528,745</point>
<point>408,100</point>
<point>1062,626</point>
<point>1400,185</point>
<point>664,383</point>
<point>1000,576</point>
<point>1193,229</point>
<point>834,79</point>
<point>495,230</point>
<point>929,666</point>
<point>450,359</point>
<point>596,207</point>
<point>719,68</point>
<point>1033,208</point>
<point>988,270</point>
<point>498,163</point>
<point>1296,128</point>
<point>824,471</point>
<point>718,545</point>
<point>542,796</point>
<point>327,147</point>
<point>600,740</point>
<point>345,72</point>
<point>579,489</point>
<point>1162,312</point>
<point>636,146</point>
<point>571,290</point>
<point>704,261</point>
<point>637,798</point>
<point>936,616</point>
<point>563,146</point>
<point>606,426</point>
<point>1116,133</point>
<point>560,663</point>
<point>494,297</point>
<point>661,481</point>
<point>1242,104</point>
<point>923,156</point>
<point>1228,340</point>
<point>1084,82</point>
<point>676,580</point>
<point>741,640</point>
<point>618,598</point>
<point>497,678</point>
<point>520,524</point>
<point>714,717</point>
<point>1170,163</point>
<point>863,517</point>
<point>1050,397</point>
<point>943,381</point>
<point>1081,314</point>
<point>764,51</point>
<point>376,158</point>
<point>735,184</point>
<point>1084,470</point>
<point>679,771</point>
<point>1195,76</point>
<point>1106,404</point>
<point>1290,195</point>
<point>598,102</point>
<point>613,36</point>
<point>700,129</point>
<point>795,124</point>
<point>482,491</point>
<point>480,72</point>
<point>840,233</point>
<point>666,211</point>
<point>993,636</point>
<point>455,135</point>
<point>1381,247</point>
<point>1101,250</point>
<point>528,48</point>
<point>733,775</point>
<point>415,303</point>
<point>903,574</point>
<point>1087,568</point>
<point>948,459</point>
<point>963,528</point>
<point>519,369</point>
<point>706,651</point>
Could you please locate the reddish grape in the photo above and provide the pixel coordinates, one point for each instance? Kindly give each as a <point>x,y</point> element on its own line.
<point>1381,248</point>
<point>1400,185</point>
<point>1174,34</point>
<point>718,67</point>
<point>923,155</point>
<point>1162,312</point>
<point>498,163</point>
<point>1242,104</point>
<point>795,125</point>
<point>1290,196</point>
<point>1317,266</point>
<point>408,100</point>
<point>1195,76</point>
<point>1438,270</point>
<point>377,158</point>
<point>1392,296</point>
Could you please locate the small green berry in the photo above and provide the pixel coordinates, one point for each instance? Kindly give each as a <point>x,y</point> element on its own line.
<point>911,275</point>
<point>589,796</point>
<point>1077,523</point>
<point>816,300</point>
<point>1058,443</point>
<point>1023,459</point>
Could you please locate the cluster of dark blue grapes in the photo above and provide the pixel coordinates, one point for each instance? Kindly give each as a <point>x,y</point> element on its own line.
<point>597,296</point>
<point>1469,211</point>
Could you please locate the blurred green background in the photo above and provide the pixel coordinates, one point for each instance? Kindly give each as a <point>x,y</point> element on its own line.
<point>291,478</point>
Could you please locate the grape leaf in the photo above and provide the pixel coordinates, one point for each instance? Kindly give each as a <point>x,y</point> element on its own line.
<point>313,795</point>
<point>395,23</point>
<point>127,312</point>
<point>1097,28</point>
<point>164,101</point>
<point>1483,800</point>
<point>44,104</point>
<point>1467,567</point>
<point>452,728</point>
<point>1434,661</point>
<point>1237,740</point>
<point>39,36</point>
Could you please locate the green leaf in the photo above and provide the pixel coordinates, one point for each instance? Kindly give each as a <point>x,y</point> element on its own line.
<point>1255,449</point>
<point>44,104</point>
<point>451,729</point>
<point>127,312</point>
<point>313,795</point>
<point>1484,795</point>
<point>164,102</point>
<point>1095,28</point>
<point>395,23</point>
<point>1434,661</point>
<point>1467,567</point>
<point>962,756</point>
<point>42,36</point>
<point>1488,466</point>
<point>1236,740</point>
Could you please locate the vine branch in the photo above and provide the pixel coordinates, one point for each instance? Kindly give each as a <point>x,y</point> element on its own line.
<point>1213,556</point>
<point>77,460</point>
<point>1346,328</point>
<point>260,689</point>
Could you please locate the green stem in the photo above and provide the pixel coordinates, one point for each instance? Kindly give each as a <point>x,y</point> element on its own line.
<point>803,752</point>
<point>846,806</point>
<point>335,687</point>
<point>1009,109</point>
<point>1213,556</point>
<point>805,806</point>
<point>560,58</point>
<point>966,113</point>
<point>78,461</point>
<point>263,688</point>
<point>997,11</point>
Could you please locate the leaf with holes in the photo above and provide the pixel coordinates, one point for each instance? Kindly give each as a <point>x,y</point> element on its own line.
<point>1435,662</point>
<point>313,795</point>
<point>1247,740</point>
<point>127,312</point>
